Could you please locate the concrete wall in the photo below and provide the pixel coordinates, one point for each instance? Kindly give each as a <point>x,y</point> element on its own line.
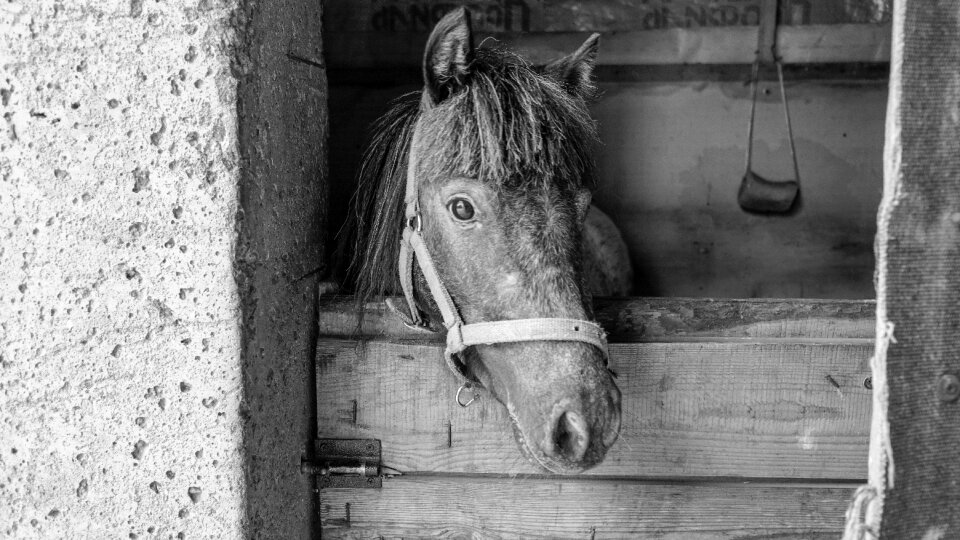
<point>125,410</point>
<point>670,164</point>
<point>670,168</point>
<point>283,131</point>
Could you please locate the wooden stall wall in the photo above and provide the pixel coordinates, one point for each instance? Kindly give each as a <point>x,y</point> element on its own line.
<point>672,116</point>
<point>742,419</point>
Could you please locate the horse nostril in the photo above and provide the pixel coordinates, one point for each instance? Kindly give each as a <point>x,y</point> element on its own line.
<point>571,437</point>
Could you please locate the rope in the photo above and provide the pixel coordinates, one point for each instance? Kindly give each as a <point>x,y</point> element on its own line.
<point>786,114</point>
<point>755,83</point>
<point>857,527</point>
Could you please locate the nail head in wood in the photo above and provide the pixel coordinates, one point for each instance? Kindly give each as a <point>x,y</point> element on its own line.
<point>948,388</point>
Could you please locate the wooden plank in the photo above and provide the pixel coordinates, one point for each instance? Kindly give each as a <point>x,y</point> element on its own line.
<point>719,45</point>
<point>656,319</point>
<point>868,72</point>
<point>591,15</point>
<point>524,508</point>
<point>774,410</point>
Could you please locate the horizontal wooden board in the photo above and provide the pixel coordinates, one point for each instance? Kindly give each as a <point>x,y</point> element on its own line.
<point>656,319</point>
<point>591,15</point>
<point>691,409</point>
<point>523,508</point>
<point>402,77</point>
<point>718,45</point>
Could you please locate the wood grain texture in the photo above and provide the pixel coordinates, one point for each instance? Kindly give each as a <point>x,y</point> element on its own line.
<point>733,409</point>
<point>713,390</point>
<point>568,508</point>
<point>717,45</point>
<point>656,319</point>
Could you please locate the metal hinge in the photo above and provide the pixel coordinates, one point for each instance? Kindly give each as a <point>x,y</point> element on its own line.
<point>345,463</point>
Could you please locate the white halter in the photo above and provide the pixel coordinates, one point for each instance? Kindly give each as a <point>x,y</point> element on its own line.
<point>460,335</point>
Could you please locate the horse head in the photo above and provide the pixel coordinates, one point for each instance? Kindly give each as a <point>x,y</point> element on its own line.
<point>500,154</point>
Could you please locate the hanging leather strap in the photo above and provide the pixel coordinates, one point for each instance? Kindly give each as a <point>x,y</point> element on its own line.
<point>767,31</point>
<point>767,54</point>
<point>755,83</point>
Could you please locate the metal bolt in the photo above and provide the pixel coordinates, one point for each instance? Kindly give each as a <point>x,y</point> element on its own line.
<point>868,383</point>
<point>948,388</point>
<point>306,467</point>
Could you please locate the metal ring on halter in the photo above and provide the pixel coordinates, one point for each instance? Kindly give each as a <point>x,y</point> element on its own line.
<point>415,222</point>
<point>415,326</point>
<point>466,386</point>
<point>421,326</point>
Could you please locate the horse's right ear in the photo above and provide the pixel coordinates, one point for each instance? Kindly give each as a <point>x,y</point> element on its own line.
<point>446,60</point>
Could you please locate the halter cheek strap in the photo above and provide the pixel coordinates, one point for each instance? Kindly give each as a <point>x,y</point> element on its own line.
<point>460,335</point>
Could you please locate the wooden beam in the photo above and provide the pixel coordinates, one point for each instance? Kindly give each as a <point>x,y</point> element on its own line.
<point>569,508</point>
<point>869,73</point>
<point>712,45</point>
<point>779,409</point>
<point>655,319</point>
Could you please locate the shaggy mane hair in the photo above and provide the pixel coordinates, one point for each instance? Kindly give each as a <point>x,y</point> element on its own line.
<point>510,126</point>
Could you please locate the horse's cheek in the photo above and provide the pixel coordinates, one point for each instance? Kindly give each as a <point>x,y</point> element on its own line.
<point>481,262</point>
<point>463,258</point>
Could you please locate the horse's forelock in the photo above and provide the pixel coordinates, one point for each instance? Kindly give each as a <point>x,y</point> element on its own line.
<point>510,126</point>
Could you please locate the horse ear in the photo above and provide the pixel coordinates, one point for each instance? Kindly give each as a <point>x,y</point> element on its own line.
<point>584,197</point>
<point>449,51</point>
<point>575,71</point>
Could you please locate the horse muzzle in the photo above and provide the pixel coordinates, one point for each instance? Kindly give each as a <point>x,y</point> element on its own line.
<point>577,435</point>
<point>565,418</point>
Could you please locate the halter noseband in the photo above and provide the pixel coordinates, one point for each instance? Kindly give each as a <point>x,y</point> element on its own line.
<point>460,335</point>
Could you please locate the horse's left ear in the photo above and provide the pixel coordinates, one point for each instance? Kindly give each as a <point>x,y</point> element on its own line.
<point>447,57</point>
<point>575,71</point>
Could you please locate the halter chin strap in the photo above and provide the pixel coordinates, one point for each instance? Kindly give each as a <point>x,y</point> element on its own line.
<point>460,335</point>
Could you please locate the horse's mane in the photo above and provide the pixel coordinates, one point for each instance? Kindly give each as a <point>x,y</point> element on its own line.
<point>376,210</point>
<point>509,126</point>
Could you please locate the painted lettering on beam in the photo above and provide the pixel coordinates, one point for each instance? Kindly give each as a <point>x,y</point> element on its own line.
<point>508,16</point>
<point>495,16</point>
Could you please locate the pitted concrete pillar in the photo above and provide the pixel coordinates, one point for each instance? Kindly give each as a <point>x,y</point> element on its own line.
<point>142,391</point>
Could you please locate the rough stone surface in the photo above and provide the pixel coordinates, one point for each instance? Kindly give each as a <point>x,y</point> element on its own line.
<point>283,131</point>
<point>119,166</point>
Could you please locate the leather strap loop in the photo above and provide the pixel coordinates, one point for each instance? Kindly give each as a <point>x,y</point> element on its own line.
<point>521,330</point>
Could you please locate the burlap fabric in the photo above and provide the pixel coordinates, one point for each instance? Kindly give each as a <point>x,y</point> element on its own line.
<point>914,473</point>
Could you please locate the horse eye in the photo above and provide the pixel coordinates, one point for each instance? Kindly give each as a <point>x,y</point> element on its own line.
<point>461,209</point>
